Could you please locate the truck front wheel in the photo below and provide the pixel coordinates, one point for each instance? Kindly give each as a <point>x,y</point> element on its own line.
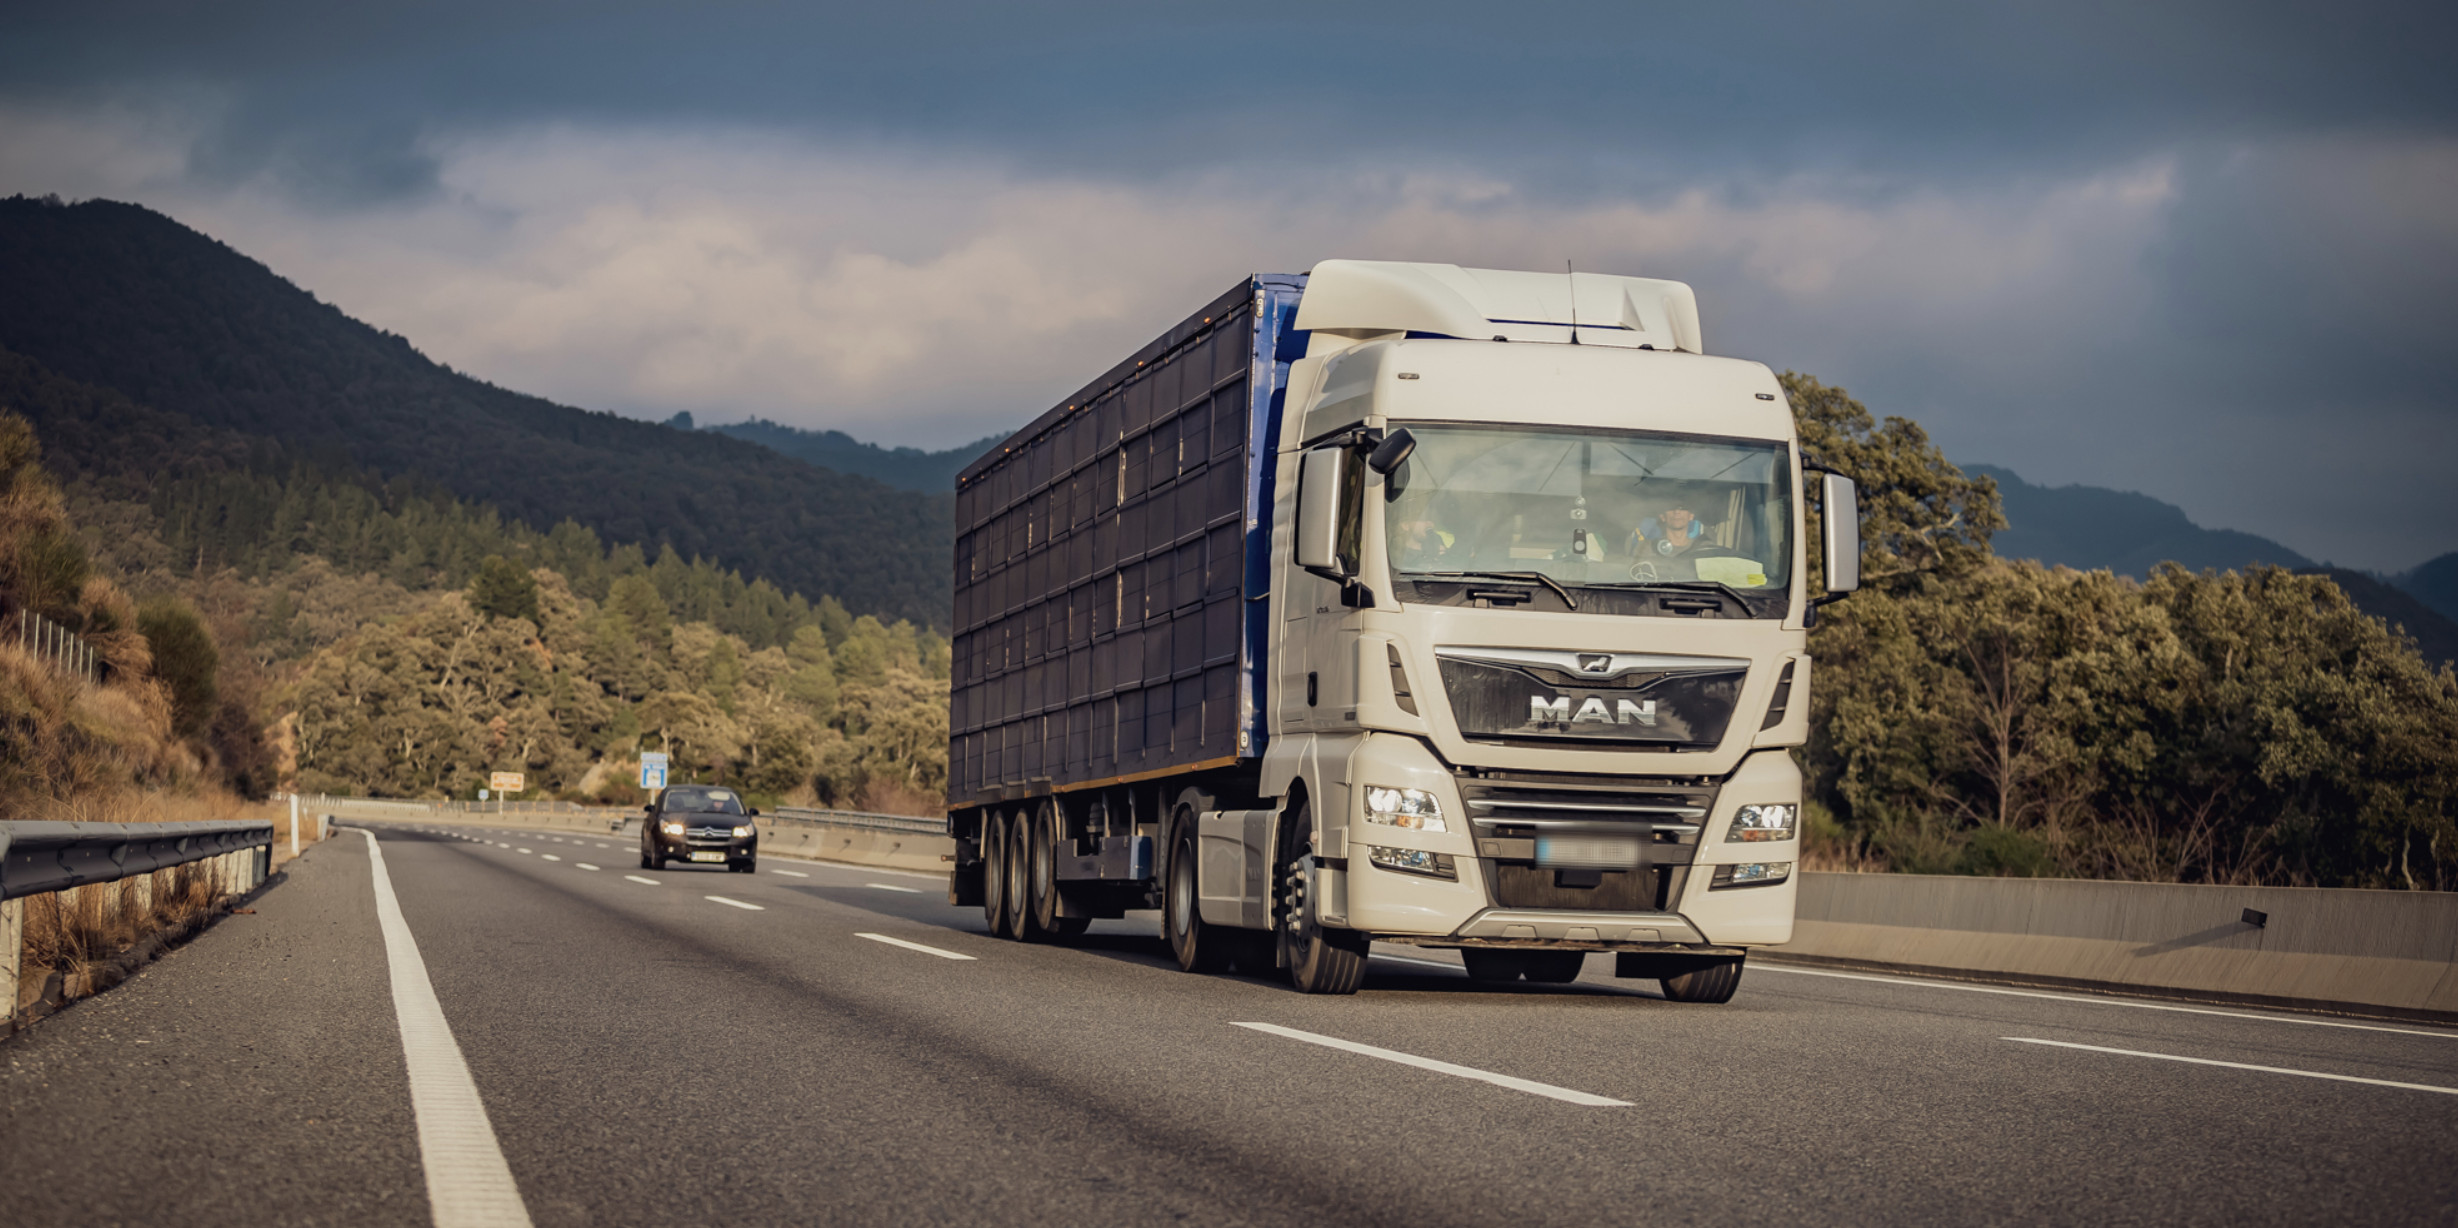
<point>1198,948</point>
<point>1319,959</point>
<point>1713,983</point>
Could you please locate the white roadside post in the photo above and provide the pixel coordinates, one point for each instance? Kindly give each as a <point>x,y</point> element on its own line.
<point>294,824</point>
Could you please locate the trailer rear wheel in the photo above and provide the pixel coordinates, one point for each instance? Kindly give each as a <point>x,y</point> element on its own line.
<point>1199,948</point>
<point>1020,923</point>
<point>994,871</point>
<point>1041,900</point>
<point>1320,959</point>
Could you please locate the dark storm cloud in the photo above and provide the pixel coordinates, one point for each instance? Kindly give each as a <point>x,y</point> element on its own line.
<point>2249,320</point>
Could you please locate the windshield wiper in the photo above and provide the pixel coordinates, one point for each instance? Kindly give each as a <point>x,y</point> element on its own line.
<point>1538,576</point>
<point>1692,586</point>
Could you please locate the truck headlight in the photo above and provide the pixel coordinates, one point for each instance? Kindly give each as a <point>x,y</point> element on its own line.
<point>1413,861</point>
<point>671,829</point>
<point>1750,874</point>
<point>742,829</point>
<point>1411,808</point>
<point>1763,823</point>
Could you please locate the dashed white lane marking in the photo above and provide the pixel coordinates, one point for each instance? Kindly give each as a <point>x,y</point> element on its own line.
<point>914,946</point>
<point>2090,1001</point>
<point>1513,1082</point>
<point>737,903</point>
<point>789,873</point>
<point>2204,1061</point>
<point>634,878</point>
<point>521,850</point>
<point>584,865</point>
<point>894,887</point>
<point>468,1183</point>
<point>550,857</point>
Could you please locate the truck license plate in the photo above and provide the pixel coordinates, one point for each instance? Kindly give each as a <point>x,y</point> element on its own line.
<point>1597,852</point>
<point>708,857</point>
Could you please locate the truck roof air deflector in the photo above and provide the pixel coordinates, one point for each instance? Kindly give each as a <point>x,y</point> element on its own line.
<point>1362,298</point>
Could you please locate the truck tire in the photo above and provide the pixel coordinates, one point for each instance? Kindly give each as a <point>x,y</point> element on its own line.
<point>1199,948</point>
<point>1713,983</point>
<point>994,872</point>
<point>1041,897</point>
<point>1020,923</point>
<point>1319,959</point>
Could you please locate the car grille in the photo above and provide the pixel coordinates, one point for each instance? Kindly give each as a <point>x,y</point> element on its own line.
<point>709,833</point>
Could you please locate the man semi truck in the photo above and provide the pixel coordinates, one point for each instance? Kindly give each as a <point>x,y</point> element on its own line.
<point>1403,603</point>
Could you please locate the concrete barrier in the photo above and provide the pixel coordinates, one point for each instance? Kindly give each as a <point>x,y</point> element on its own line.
<point>818,841</point>
<point>2375,952</point>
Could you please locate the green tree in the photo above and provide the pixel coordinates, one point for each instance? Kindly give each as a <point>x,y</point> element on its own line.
<point>185,659</point>
<point>503,590</point>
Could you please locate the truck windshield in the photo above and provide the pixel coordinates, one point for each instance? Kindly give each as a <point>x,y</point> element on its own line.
<point>1592,508</point>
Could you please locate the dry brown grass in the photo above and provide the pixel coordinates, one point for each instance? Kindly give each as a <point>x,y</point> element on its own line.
<point>81,933</point>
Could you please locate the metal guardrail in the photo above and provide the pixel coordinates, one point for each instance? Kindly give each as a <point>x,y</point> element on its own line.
<point>857,818</point>
<point>40,857</point>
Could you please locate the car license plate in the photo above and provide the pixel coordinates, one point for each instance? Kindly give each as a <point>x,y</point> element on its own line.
<point>1597,852</point>
<point>708,856</point>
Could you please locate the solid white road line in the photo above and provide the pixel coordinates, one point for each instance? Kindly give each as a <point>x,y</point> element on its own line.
<point>894,887</point>
<point>584,865</point>
<point>788,873</point>
<point>737,903</point>
<point>1529,1086</point>
<point>2093,1001</point>
<point>634,878</point>
<point>914,946</point>
<point>468,1182</point>
<point>2204,1061</point>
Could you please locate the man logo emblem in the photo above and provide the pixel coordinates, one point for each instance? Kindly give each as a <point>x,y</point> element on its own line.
<point>1595,662</point>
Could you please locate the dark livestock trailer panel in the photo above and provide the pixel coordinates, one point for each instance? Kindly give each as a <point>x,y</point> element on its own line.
<point>1111,564</point>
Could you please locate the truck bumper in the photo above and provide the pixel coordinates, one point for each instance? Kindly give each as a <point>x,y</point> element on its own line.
<point>1399,906</point>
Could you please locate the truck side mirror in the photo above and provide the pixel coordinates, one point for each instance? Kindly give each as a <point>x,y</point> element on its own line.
<point>1840,514</point>
<point>1318,512</point>
<point>1392,452</point>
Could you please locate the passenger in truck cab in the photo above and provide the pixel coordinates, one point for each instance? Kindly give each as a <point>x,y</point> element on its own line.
<point>1667,533</point>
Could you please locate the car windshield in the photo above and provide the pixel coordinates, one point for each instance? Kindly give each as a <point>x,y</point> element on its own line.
<point>701,801</point>
<point>1592,507</point>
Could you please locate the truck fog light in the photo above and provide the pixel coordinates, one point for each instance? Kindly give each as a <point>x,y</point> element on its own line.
<point>1751,823</point>
<point>1751,874</point>
<point>1413,861</point>
<point>1411,808</point>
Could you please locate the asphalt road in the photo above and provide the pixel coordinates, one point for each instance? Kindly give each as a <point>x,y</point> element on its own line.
<point>648,1052</point>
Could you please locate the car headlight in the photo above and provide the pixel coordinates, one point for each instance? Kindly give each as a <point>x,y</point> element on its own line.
<point>671,829</point>
<point>742,829</point>
<point>1411,808</point>
<point>1751,823</point>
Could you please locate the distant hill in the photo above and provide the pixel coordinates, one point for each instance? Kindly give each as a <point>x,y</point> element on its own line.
<point>2435,584</point>
<point>2090,528</point>
<point>903,468</point>
<point>124,298</point>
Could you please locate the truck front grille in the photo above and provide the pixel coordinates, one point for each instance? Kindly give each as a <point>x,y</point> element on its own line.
<point>1509,812</point>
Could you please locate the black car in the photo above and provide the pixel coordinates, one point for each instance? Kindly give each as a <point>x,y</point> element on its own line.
<point>700,823</point>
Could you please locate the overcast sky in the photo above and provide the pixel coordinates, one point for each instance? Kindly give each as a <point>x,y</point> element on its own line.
<point>2207,251</point>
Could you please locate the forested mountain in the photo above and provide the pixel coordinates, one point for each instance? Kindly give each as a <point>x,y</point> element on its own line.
<point>2091,528</point>
<point>905,468</point>
<point>215,346</point>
